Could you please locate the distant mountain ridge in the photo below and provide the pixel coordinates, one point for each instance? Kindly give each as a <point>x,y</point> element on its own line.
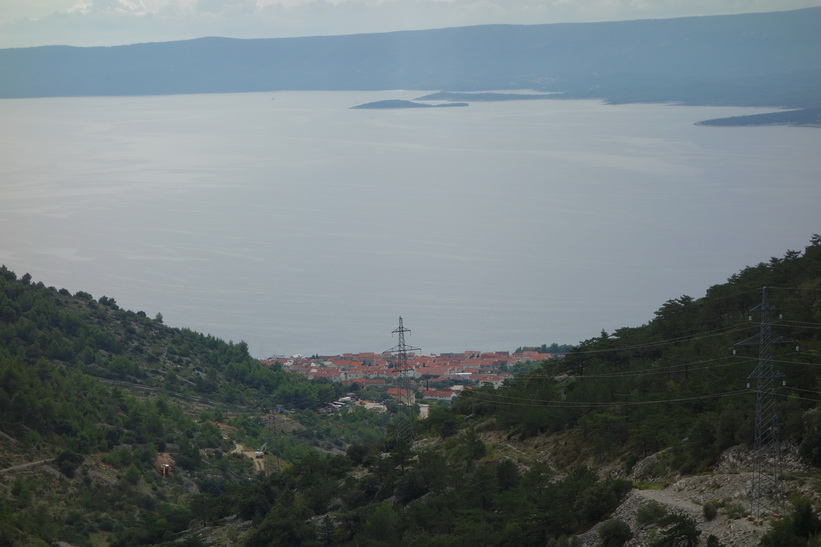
<point>764,59</point>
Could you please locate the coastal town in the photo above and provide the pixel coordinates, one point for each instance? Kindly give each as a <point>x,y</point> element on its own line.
<point>431,377</point>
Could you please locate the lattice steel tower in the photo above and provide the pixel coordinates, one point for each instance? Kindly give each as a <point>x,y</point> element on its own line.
<point>766,494</point>
<point>404,428</point>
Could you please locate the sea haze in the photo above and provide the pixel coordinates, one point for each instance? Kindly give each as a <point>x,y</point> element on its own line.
<point>297,224</point>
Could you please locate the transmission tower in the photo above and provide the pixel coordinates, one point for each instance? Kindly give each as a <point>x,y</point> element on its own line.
<point>766,494</point>
<point>404,429</point>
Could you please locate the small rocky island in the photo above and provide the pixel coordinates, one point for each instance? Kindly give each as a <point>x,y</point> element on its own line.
<point>486,96</point>
<point>398,103</point>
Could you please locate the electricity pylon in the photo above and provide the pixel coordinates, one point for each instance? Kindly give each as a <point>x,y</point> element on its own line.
<point>766,493</point>
<point>404,429</point>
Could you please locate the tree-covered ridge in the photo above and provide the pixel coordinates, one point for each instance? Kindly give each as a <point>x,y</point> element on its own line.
<point>553,348</point>
<point>100,339</point>
<point>677,381</point>
<point>98,394</point>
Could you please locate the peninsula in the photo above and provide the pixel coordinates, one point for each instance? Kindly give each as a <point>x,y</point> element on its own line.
<point>805,117</point>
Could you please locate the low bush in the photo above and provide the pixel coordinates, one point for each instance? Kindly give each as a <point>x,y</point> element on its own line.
<point>710,510</point>
<point>650,513</point>
<point>736,511</point>
<point>615,533</point>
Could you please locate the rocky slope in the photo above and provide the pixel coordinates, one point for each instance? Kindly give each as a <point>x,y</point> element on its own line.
<point>728,487</point>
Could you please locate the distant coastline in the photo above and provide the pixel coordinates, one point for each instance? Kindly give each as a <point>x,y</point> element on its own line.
<point>754,59</point>
<point>805,117</point>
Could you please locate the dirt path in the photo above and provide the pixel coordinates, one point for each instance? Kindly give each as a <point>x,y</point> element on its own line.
<point>670,499</point>
<point>259,463</point>
<point>24,466</point>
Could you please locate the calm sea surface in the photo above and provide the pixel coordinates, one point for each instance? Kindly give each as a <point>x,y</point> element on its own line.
<point>294,223</point>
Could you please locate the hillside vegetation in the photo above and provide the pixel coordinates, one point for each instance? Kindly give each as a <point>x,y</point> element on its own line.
<point>94,399</point>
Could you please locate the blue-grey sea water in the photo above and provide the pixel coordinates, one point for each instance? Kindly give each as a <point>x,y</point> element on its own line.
<point>299,225</point>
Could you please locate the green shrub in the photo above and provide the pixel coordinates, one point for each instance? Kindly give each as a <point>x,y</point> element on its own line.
<point>677,529</point>
<point>710,510</point>
<point>736,511</point>
<point>615,533</point>
<point>68,462</point>
<point>650,513</point>
<point>800,527</point>
<point>132,474</point>
<point>810,447</point>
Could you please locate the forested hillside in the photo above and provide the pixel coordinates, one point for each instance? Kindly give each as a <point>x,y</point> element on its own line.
<point>101,397</point>
<point>94,397</point>
<point>681,380</point>
<point>95,337</point>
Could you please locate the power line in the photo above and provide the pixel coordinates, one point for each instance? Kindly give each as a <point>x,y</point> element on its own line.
<point>670,369</point>
<point>714,332</point>
<point>803,324</point>
<point>731,329</point>
<point>547,403</point>
<point>801,398</point>
<point>797,289</point>
<point>790,388</point>
<point>785,362</point>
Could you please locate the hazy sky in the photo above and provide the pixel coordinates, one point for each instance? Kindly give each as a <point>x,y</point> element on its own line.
<point>25,23</point>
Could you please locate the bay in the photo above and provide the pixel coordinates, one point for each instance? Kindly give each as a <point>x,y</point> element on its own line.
<point>294,223</point>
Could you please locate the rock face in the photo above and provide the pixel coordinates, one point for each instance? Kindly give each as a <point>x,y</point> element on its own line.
<point>729,487</point>
<point>739,532</point>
